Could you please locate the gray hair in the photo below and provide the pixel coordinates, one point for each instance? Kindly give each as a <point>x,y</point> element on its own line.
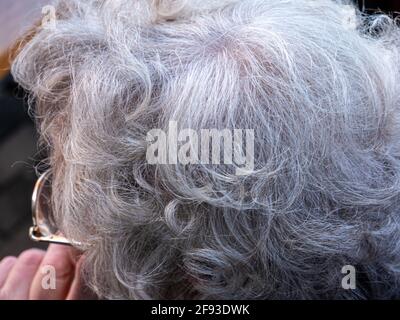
<point>318,82</point>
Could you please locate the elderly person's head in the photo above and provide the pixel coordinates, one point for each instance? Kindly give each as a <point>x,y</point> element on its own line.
<point>316,81</point>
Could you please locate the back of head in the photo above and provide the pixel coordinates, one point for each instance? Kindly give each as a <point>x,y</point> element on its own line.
<point>317,82</point>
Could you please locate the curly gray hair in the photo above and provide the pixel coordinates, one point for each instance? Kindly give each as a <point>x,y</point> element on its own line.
<point>318,82</point>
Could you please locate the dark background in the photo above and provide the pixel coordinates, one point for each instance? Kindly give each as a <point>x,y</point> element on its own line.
<point>384,5</point>
<point>388,6</point>
<point>18,140</point>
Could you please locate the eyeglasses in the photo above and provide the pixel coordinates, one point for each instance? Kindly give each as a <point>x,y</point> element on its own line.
<point>44,228</point>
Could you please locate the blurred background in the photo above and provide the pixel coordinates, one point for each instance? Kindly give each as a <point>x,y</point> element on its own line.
<point>18,139</point>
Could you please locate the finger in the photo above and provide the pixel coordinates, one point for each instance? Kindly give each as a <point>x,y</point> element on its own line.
<point>74,255</point>
<point>55,275</point>
<point>79,290</point>
<point>5,267</point>
<point>19,279</point>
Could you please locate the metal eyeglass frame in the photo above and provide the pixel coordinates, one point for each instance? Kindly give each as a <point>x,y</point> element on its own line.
<point>42,230</point>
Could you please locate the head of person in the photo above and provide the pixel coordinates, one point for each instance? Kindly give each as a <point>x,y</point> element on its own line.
<point>317,82</point>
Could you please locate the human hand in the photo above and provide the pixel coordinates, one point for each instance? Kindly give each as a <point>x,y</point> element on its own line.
<point>29,275</point>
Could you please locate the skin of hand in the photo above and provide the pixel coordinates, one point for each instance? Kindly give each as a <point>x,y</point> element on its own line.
<point>22,277</point>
